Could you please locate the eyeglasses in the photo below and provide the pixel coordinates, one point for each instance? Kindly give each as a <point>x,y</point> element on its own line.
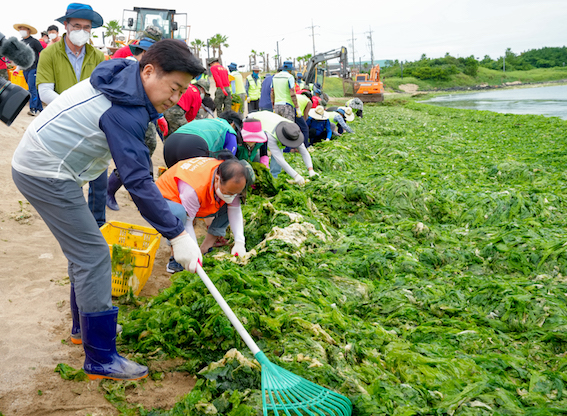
<point>77,26</point>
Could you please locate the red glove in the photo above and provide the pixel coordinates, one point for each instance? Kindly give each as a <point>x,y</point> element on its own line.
<point>162,124</point>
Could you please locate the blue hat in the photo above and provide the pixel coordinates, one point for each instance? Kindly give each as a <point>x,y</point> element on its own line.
<point>144,44</point>
<point>299,75</point>
<point>287,65</point>
<point>82,11</point>
<point>232,66</point>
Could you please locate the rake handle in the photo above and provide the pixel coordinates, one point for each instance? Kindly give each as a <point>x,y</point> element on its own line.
<point>227,311</point>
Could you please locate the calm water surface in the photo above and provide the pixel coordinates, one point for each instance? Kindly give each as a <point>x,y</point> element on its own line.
<point>547,101</point>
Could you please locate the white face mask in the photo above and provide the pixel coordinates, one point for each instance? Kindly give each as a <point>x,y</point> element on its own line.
<point>24,33</point>
<point>202,95</point>
<point>52,36</point>
<point>226,198</point>
<point>79,37</point>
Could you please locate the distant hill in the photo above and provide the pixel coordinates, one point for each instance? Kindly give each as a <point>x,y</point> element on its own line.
<point>381,62</point>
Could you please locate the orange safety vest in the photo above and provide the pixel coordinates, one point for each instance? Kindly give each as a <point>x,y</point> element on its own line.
<point>197,172</point>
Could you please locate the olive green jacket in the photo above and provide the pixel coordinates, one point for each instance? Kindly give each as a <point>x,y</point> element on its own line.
<point>54,66</point>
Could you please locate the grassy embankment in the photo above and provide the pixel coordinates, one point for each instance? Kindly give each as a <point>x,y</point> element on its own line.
<point>423,273</point>
<point>333,86</point>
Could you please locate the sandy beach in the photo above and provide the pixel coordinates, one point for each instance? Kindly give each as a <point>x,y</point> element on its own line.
<point>35,319</point>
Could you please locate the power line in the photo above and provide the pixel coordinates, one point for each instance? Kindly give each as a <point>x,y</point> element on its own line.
<point>371,46</point>
<point>312,27</point>
<point>352,45</point>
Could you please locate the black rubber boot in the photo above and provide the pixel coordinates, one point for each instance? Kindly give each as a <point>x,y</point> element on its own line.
<point>101,358</point>
<point>114,184</point>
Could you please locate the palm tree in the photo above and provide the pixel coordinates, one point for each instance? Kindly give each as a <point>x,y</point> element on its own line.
<point>113,29</point>
<point>197,45</point>
<point>254,54</point>
<point>218,42</point>
<point>263,55</point>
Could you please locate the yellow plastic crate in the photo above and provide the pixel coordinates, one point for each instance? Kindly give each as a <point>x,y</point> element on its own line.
<point>143,243</point>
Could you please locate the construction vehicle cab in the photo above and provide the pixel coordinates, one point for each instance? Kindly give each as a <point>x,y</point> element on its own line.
<point>173,25</point>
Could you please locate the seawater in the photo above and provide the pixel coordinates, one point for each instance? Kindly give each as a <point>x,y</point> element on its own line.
<point>547,101</point>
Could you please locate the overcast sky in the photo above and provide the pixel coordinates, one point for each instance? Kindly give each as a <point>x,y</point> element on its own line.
<point>401,30</point>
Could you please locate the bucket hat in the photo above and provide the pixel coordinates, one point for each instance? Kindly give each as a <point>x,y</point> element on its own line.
<point>356,103</point>
<point>143,45</point>
<point>204,84</point>
<point>82,11</point>
<point>232,66</point>
<point>252,131</point>
<point>287,66</point>
<point>318,113</point>
<point>347,112</point>
<point>256,68</point>
<point>212,60</point>
<point>32,29</point>
<point>289,134</point>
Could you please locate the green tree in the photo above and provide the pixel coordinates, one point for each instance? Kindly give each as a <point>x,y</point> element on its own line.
<point>113,29</point>
<point>218,42</point>
<point>198,45</point>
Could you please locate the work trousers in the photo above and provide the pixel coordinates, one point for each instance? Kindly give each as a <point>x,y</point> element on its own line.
<point>97,198</point>
<point>222,102</point>
<point>62,206</point>
<point>253,106</point>
<point>35,102</point>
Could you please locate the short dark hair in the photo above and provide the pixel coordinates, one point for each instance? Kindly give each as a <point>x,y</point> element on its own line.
<point>232,117</point>
<point>232,169</point>
<point>53,27</point>
<point>171,55</point>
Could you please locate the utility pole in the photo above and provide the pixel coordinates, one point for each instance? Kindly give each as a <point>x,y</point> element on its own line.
<point>504,62</point>
<point>371,46</point>
<point>352,45</point>
<point>312,27</point>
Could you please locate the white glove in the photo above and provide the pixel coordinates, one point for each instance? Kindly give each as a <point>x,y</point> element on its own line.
<point>313,173</point>
<point>239,249</point>
<point>299,179</point>
<point>186,252</point>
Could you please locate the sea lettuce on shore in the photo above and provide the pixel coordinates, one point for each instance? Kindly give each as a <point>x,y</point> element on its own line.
<point>423,273</point>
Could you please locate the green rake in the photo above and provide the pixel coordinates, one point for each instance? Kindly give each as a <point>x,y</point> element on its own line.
<point>283,391</point>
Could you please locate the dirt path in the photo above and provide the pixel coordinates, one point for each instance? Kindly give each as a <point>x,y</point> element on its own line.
<point>35,320</point>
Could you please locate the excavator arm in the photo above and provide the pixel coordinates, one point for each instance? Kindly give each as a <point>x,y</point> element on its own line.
<point>310,75</point>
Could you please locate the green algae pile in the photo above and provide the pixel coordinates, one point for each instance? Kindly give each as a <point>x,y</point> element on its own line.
<point>423,273</point>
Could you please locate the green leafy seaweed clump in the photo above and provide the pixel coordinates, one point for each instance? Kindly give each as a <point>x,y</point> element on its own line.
<point>423,272</point>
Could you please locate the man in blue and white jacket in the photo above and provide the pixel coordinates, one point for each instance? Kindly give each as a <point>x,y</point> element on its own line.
<point>71,143</point>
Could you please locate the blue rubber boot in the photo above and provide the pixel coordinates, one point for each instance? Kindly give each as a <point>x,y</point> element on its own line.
<point>101,358</point>
<point>114,184</point>
<point>76,329</point>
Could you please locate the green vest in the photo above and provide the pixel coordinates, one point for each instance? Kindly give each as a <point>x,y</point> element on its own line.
<point>54,66</point>
<point>269,122</point>
<point>238,83</point>
<point>204,77</point>
<point>212,130</point>
<point>280,84</point>
<point>242,153</point>
<point>302,102</point>
<point>254,87</point>
<point>332,115</point>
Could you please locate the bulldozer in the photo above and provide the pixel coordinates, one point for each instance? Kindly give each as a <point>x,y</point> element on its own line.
<point>172,24</point>
<point>367,87</point>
